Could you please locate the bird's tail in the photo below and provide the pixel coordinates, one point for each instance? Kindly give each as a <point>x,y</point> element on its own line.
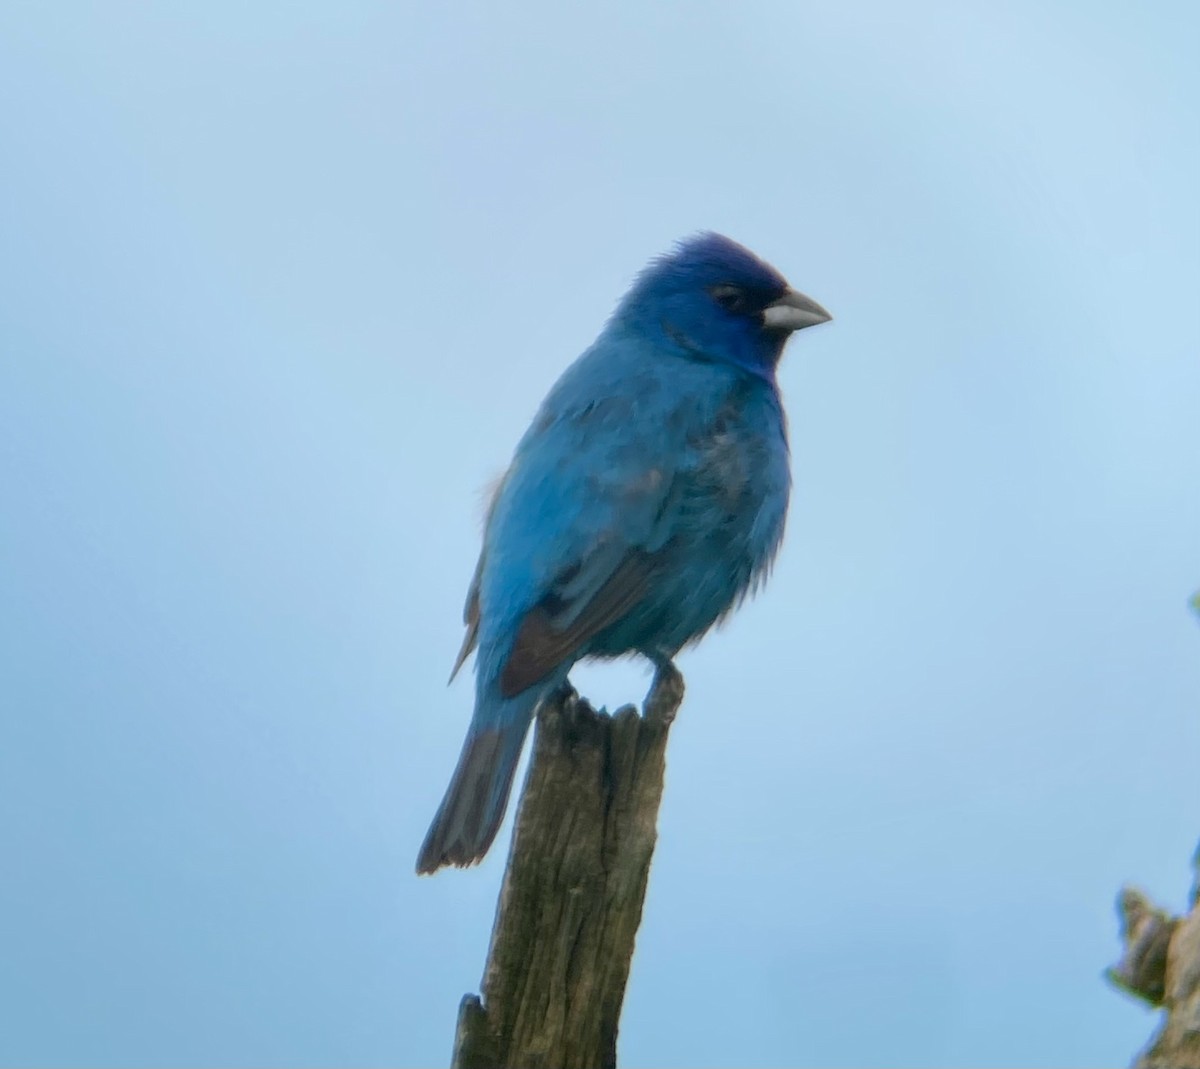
<point>471,813</point>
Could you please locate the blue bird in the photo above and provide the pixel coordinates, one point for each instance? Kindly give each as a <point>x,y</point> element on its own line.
<point>643,504</point>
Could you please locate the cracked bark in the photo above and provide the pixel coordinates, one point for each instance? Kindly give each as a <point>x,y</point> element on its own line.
<point>572,896</point>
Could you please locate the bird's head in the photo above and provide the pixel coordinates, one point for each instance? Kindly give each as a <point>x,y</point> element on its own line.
<point>713,299</point>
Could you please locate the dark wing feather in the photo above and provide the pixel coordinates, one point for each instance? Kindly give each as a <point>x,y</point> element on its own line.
<point>471,608</point>
<point>471,619</point>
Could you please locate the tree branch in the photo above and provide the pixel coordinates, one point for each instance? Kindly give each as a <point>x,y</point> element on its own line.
<point>1161,965</point>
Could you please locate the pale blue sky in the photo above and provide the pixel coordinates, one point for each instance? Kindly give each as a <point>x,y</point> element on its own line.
<point>282,284</point>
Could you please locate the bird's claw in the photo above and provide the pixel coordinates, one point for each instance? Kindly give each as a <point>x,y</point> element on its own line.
<point>665,695</point>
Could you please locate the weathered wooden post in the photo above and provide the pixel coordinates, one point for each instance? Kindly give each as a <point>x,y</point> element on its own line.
<point>572,896</point>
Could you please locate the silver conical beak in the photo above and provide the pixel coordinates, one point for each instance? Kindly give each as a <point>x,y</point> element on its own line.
<point>793,311</point>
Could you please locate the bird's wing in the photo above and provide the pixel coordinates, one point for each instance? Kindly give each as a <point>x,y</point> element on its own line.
<point>586,597</point>
<point>579,525</point>
<point>565,619</point>
<point>604,532</point>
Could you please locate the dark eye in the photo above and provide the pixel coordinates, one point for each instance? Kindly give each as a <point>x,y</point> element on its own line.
<point>731,298</point>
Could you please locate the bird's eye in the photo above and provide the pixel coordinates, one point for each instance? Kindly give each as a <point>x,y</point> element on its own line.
<point>731,298</point>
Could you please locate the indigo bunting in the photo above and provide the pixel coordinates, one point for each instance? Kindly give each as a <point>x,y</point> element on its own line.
<point>643,504</point>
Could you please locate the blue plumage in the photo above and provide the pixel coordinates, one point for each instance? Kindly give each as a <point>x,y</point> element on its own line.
<point>646,500</point>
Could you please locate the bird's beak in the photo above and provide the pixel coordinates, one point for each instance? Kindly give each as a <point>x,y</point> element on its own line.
<point>794,311</point>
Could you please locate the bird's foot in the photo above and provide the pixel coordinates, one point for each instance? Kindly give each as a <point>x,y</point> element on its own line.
<point>665,695</point>
<point>562,695</point>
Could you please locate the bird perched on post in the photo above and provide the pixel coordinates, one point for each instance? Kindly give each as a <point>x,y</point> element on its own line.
<point>646,500</point>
